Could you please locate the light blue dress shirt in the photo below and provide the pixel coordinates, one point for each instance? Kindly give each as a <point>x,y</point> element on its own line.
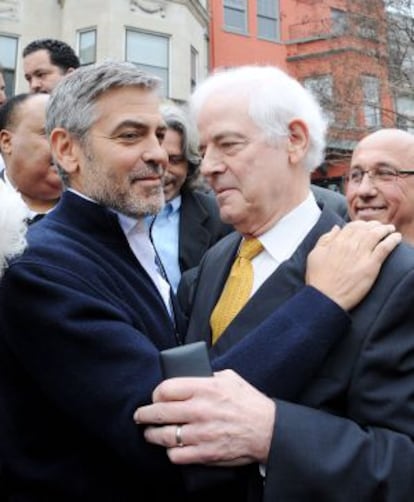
<point>164,231</point>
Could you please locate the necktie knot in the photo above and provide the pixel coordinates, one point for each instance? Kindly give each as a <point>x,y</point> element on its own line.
<point>250,248</point>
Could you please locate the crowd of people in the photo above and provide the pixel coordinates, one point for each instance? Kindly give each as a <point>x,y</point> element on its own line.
<point>129,225</point>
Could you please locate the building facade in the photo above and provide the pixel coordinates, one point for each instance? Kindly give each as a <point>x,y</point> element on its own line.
<point>167,37</point>
<point>336,48</point>
<point>345,51</point>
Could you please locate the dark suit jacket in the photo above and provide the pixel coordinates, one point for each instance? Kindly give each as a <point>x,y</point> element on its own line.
<point>79,344</point>
<point>81,326</point>
<point>334,200</point>
<point>349,433</point>
<point>200,227</point>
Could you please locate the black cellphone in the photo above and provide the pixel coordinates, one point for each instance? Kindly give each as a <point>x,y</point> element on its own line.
<point>186,360</point>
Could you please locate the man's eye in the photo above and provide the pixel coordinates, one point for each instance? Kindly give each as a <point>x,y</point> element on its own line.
<point>385,172</point>
<point>231,147</point>
<point>161,136</point>
<point>128,136</point>
<point>355,175</point>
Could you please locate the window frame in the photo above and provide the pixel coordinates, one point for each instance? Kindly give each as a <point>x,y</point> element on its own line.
<point>161,71</point>
<point>271,17</point>
<point>81,33</point>
<point>229,7</point>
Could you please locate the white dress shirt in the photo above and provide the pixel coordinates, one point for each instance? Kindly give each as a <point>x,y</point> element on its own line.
<point>282,240</point>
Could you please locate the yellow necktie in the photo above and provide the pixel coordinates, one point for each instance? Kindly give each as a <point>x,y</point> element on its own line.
<point>237,289</point>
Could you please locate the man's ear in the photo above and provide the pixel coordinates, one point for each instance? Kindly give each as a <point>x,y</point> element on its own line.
<point>6,141</point>
<point>69,70</point>
<point>65,149</point>
<point>298,141</point>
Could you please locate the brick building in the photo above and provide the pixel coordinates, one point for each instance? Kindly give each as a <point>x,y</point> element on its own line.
<point>337,48</point>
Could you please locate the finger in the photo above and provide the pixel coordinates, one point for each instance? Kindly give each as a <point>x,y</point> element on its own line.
<point>163,413</point>
<point>384,247</point>
<point>370,239</point>
<point>179,388</point>
<point>327,238</point>
<point>363,235</point>
<point>163,436</point>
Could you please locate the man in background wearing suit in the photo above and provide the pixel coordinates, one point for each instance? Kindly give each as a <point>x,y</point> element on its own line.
<point>380,182</point>
<point>189,223</point>
<point>348,434</point>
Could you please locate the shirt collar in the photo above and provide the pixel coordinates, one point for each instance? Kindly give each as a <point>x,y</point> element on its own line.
<point>175,203</point>
<point>280,241</point>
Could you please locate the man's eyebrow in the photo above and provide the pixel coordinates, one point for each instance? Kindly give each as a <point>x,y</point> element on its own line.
<point>135,124</point>
<point>138,125</point>
<point>376,164</point>
<point>226,134</point>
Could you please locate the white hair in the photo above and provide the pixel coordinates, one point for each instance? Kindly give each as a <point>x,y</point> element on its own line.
<point>274,100</point>
<point>13,214</point>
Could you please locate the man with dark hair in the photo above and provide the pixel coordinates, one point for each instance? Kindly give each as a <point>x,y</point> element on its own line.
<point>46,61</point>
<point>29,166</point>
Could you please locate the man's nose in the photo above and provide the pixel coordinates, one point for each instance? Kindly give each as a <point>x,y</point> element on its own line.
<point>367,185</point>
<point>212,162</point>
<point>155,153</point>
<point>35,84</point>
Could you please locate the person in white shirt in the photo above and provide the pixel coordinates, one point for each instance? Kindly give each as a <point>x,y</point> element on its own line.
<point>348,432</point>
<point>29,166</point>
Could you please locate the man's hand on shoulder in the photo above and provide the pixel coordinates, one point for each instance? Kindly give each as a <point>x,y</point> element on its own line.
<point>346,261</point>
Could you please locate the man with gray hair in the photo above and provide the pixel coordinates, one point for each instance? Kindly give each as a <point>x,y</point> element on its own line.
<point>348,434</point>
<point>84,311</point>
<point>189,223</point>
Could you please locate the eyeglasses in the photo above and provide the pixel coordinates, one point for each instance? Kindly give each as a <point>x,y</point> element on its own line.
<point>175,160</point>
<point>380,174</point>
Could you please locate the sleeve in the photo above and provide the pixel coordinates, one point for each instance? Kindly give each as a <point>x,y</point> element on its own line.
<point>82,352</point>
<point>298,335</point>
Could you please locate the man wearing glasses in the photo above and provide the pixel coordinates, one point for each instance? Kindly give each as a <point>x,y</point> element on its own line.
<point>380,185</point>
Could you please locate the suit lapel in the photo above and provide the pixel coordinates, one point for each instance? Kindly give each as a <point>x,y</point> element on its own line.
<point>192,223</point>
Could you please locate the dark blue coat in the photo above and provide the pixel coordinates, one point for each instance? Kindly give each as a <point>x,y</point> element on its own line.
<point>81,326</point>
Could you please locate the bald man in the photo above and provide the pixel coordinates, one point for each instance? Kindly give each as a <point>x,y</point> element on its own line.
<point>381,183</point>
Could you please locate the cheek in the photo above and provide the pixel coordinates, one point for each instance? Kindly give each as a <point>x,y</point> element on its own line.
<point>399,204</point>
<point>350,194</point>
<point>180,174</point>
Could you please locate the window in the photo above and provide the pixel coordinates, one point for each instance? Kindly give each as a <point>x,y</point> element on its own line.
<point>370,90</point>
<point>339,22</point>
<point>87,46</point>
<point>405,113</point>
<point>321,86</point>
<point>193,68</point>
<point>267,19</point>
<point>8,54</point>
<point>235,15</point>
<point>150,52</point>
